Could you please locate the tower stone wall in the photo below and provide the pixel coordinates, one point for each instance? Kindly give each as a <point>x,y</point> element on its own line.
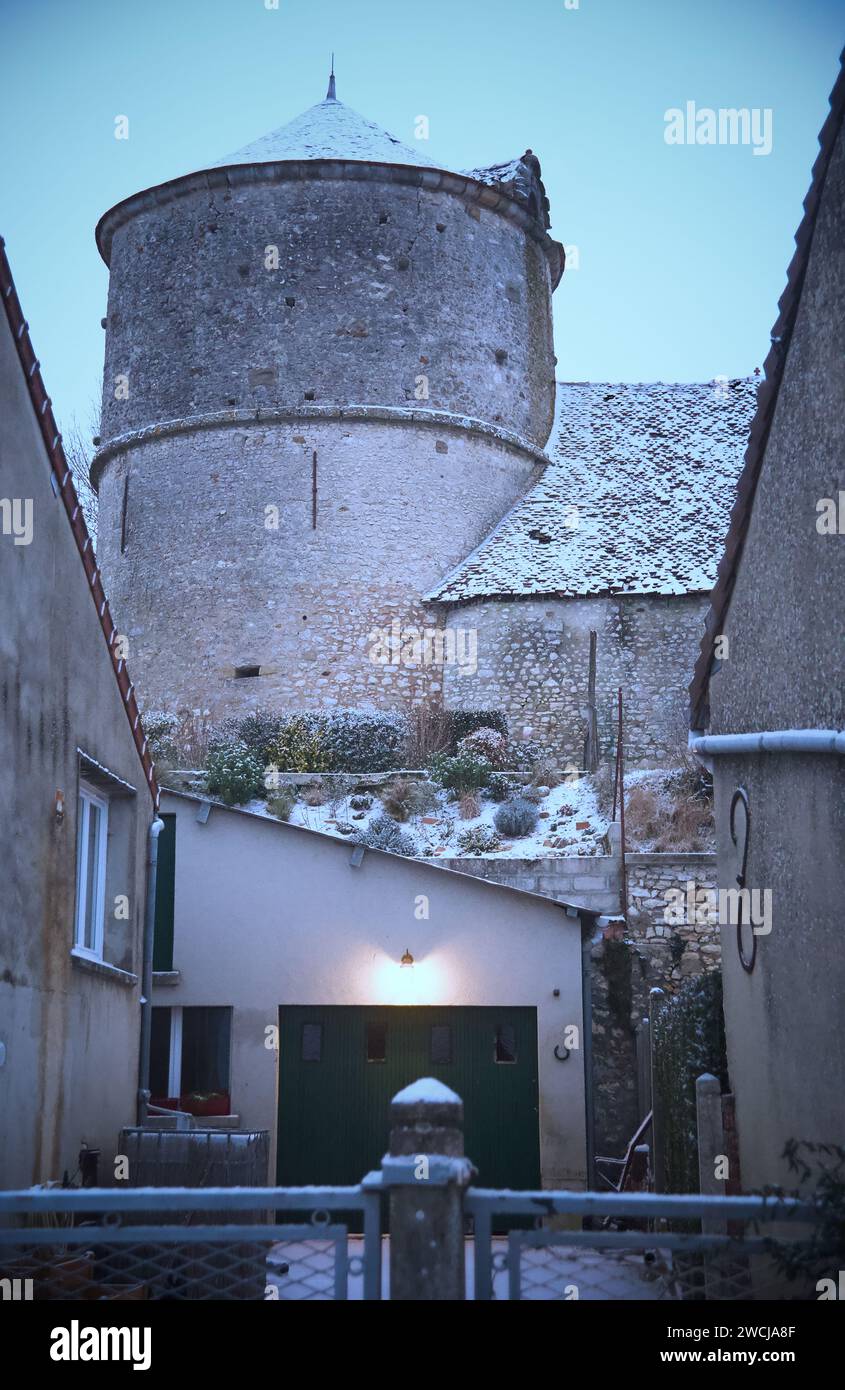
<point>379,282</point>
<point>325,383</point>
<point>262,556</point>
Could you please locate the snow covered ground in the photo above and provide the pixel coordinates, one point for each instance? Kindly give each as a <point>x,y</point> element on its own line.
<point>569,823</point>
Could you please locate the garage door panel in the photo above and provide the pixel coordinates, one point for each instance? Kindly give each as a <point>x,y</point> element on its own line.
<point>340,1066</point>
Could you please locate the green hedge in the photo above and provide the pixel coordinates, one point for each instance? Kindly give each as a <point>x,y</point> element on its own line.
<point>688,1038</point>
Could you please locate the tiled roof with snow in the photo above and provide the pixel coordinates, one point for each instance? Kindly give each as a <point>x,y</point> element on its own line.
<point>329,130</point>
<point>636,500</point>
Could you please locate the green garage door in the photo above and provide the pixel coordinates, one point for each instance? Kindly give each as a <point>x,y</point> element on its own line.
<point>339,1068</point>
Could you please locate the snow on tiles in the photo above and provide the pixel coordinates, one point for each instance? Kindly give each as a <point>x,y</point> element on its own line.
<point>636,500</point>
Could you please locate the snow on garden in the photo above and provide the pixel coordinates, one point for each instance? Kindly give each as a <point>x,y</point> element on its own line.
<point>569,823</point>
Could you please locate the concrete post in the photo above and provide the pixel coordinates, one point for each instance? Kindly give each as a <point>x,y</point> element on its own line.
<point>426,1174</point>
<point>711,1146</point>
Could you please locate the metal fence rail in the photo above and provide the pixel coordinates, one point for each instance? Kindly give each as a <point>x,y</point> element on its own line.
<point>250,1243</point>
<point>201,1243</point>
<point>674,1248</point>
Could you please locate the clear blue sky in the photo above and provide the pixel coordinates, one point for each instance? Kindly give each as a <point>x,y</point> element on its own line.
<point>683,251</point>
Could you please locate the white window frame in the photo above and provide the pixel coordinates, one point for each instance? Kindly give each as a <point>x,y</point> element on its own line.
<point>88,797</point>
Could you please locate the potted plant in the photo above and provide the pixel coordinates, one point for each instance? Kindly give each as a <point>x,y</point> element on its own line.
<point>205,1103</point>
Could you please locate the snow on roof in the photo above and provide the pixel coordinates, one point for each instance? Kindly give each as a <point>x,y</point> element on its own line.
<point>427,1089</point>
<point>329,130</point>
<point>636,499</point>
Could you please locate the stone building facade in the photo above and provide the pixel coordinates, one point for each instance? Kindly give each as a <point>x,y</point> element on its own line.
<point>330,414</point>
<point>329,371</point>
<point>533,663</point>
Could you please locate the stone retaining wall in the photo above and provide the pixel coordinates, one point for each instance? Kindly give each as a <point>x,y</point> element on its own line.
<point>586,881</point>
<point>692,948</point>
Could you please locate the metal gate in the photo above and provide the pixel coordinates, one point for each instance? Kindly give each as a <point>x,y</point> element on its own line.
<point>188,1244</point>
<point>637,1246</point>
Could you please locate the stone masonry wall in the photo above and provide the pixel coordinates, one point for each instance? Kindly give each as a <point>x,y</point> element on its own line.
<point>376,282</point>
<point>651,955</point>
<point>533,662</point>
<point>693,948</point>
<point>584,881</point>
<point>229,547</point>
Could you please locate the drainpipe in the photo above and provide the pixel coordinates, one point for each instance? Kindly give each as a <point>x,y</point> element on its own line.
<point>587,942</point>
<point>147,971</point>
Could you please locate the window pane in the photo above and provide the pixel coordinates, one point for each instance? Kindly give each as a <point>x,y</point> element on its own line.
<point>160,1052</point>
<point>376,1042</point>
<point>505,1043</point>
<point>206,1034</point>
<point>441,1043</point>
<point>312,1042</point>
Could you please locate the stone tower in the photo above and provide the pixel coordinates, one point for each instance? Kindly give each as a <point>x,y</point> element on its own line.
<point>329,372</point>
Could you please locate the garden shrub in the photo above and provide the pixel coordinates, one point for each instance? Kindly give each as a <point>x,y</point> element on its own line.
<point>478,839</point>
<point>516,818</point>
<point>338,791</point>
<point>341,740</point>
<point>161,735</point>
<point>466,721</point>
<point>821,1181</point>
<point>429,732</point>
<point>486,743</point>
<point>397,798</point>
<point>523,754</point>
<point>315,795</point>
<point>689,779</point>
<point>546,773</point>
<point>282,802</point>
<point>234,774</point>
<point>258,731</point>
<point>424,798</point>
<point>498,788</point>
<point>462,773</point>
<point>298,747</point>
<point>364,740</point>
<point>687,826</point>
<point>384,833</point>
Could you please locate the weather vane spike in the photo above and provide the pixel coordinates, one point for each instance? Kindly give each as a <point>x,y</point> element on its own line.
<point>331,94</point>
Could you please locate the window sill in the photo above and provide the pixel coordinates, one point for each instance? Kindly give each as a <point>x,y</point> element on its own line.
<point>167,978</point>
<point>102,968</point>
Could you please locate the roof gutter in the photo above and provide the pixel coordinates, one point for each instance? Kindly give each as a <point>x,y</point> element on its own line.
<point>707,746</point>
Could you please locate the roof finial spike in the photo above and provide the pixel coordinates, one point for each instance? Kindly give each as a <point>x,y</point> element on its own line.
<point>331,94</point>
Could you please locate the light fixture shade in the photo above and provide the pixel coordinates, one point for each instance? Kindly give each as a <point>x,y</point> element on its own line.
<point>407,959</point>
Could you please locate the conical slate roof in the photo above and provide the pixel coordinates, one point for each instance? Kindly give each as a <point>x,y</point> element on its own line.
<point>329,130</point>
